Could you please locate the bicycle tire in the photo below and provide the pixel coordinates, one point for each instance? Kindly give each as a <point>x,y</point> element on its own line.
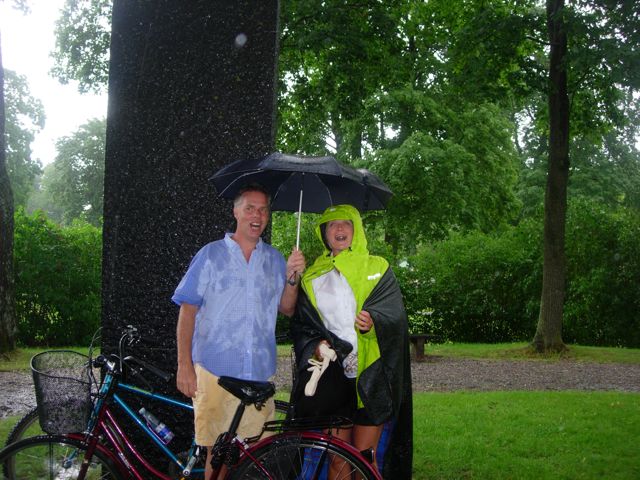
<point>27,426</point>
<point>53,456</point>
<point>299,456</point>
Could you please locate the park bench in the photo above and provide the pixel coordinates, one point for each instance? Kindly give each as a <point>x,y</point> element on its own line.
<point>418,340</point>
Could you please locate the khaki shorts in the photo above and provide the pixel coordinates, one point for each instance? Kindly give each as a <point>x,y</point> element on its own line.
<point>214,407</point>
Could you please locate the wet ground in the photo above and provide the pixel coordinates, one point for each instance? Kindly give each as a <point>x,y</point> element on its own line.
<point>437,374</point>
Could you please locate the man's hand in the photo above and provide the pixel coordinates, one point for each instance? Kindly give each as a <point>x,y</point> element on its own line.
<point>295,265</point>
<point>186,381</point>
<point>186,376</point>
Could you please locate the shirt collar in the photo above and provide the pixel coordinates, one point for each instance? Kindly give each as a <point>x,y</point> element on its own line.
<point>232,244</point>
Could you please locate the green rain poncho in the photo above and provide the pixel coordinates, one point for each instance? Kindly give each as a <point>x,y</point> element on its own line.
<point>384,376</point>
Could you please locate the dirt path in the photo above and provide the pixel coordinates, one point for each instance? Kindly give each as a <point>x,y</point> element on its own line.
<point>436,374</point>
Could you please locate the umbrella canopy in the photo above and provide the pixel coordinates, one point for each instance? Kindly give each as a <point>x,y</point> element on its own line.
<point>304,184</point>
<point>322,180</point>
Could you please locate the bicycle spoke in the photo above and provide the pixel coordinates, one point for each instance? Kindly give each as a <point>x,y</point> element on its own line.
<point>52,458</point>
<point>302,458</point>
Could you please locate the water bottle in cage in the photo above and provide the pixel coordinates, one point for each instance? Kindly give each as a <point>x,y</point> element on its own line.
<point>159,428</point>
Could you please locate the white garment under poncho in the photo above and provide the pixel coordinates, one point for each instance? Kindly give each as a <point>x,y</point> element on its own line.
<point>337,306</point>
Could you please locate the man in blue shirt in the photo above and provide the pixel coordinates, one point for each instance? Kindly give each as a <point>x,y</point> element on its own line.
<point>229,299</point>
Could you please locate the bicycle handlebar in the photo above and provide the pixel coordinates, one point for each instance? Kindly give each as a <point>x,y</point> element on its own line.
<point>152,368</point>
<point>116,363</point>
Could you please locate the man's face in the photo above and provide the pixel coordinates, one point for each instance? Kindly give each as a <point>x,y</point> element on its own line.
<point>339,235</point>
<point>252,215</point>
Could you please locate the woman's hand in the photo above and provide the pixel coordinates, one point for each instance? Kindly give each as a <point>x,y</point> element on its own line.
<point>318,354</point>
<point>364,322</point>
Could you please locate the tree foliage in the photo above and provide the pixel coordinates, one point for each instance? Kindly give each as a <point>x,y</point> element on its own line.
<point>83,36</point>
<point>76,179</point>
<point>24,118</point>
<point>365,78</point>
<point>455,172</point>
<point>447,100</point>
<point>334,61</point>
<point>476,287</point>
<point>603,274</point>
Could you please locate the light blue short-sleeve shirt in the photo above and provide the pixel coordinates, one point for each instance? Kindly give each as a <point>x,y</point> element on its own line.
<point>234,333</point>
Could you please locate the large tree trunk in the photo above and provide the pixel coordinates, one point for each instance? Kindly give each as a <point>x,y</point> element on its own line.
<point>191,89</point>
<point>7,312</point>
<point>548,335</point>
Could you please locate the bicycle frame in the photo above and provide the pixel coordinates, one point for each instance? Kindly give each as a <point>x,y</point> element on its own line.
<point>123,450</point>
<point>104,434</point>
<point>104,424</point>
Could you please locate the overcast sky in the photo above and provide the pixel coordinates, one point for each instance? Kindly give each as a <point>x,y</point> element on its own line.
<point>26,43</point>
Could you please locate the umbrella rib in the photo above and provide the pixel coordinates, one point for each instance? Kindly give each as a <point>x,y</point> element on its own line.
<point>275,194</point>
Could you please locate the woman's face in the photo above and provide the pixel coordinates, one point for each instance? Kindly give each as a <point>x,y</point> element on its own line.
<point>339,235</point>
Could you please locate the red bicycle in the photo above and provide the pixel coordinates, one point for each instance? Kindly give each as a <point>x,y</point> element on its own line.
<point>295,449</point>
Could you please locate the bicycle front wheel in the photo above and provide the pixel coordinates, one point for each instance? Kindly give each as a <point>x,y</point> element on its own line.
<point>298,456</point>
<point>28,426</point>
<point>53,457</point>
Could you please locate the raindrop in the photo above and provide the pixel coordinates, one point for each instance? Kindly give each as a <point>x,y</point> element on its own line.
<point>241,39</point>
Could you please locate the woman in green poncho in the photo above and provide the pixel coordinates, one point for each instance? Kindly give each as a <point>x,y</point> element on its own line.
<point>351,302</point>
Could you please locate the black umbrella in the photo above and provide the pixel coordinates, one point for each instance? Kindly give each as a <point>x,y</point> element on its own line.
<point>304,184</point>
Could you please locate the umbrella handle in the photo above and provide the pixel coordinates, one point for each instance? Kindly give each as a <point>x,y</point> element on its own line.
<point>299,218</point>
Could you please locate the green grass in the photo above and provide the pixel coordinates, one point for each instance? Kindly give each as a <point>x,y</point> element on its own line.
<point>284,349</point>
<point>520,435</point>
<point>20,359</point>
<point>6,424</point>
<point>527,435</point>
<point>508,435</point>
<point>519,351</point>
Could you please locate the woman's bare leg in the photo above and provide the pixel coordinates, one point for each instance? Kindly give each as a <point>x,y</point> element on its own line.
<point>337,465</point>
<point>367,436</point>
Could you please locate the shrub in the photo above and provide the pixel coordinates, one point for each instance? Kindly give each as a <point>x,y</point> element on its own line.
<point>486,287</point>
<point>476,287</point>
<point>603,276</point>
<point>57,281</point>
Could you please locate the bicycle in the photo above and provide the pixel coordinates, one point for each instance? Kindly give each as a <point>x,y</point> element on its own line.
<point>111,384</point>
<point>28,425</point>
<point>104,450</point>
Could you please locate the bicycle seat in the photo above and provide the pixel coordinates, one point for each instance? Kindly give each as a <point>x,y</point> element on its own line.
<point>248,391</point>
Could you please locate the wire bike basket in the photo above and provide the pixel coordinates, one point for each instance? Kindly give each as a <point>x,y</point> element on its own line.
<point>63,390</point>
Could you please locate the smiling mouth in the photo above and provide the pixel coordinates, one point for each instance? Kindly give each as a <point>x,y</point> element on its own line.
<point>341,238</point>
<point>254,225</point>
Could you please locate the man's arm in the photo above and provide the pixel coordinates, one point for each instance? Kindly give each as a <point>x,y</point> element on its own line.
<point>295,267</point>
<point>186,377</point>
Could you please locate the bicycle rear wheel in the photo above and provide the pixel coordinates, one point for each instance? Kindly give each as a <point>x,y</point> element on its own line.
<point>53,457</point>
<point>298,456</point>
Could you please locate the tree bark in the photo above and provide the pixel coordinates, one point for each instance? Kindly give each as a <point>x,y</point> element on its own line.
<point>7,310</point>
<point>191,89</point>
<point>548,335</point>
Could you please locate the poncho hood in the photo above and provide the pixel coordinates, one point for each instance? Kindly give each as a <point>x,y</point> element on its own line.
<point>344,212</point>
<point>363,271</point>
